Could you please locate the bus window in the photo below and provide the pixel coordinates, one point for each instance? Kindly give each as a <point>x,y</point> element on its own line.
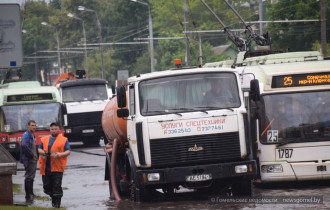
<point>298,117</point>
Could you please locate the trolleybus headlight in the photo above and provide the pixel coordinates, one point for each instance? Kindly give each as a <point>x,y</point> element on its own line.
<point>153,177</point>
<point>67,130</point>
<point>276,168</point>
<point>241,169</point>
<point>4,139</point>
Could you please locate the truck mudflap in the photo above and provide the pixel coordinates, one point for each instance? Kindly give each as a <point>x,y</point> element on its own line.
<point>197,173</point>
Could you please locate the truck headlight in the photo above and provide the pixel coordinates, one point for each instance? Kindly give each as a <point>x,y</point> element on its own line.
<point>274,168</point>
<point>241,169</point>
<point>68,130</point>
<point>153,177</point>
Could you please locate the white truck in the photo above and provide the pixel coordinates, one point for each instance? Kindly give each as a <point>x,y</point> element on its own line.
<point>173,137</point>
<point>83,102</point>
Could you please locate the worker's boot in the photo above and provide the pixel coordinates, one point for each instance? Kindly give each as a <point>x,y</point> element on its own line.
<point>28,185</point>
<point>26,188</point>
<point>56,202</point>
<point>32,195</point>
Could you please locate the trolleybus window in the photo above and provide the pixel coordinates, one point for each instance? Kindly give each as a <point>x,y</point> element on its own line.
<point>295,117</point>
<point>15,117</point>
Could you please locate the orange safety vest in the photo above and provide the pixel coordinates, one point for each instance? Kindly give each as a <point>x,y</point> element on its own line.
<point>57,165</point>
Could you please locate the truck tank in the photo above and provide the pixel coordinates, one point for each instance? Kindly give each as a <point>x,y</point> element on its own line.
<point>113,126</point>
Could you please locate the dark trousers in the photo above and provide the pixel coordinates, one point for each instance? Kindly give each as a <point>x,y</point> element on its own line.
<point>52,183</point>
<point>30,170</point>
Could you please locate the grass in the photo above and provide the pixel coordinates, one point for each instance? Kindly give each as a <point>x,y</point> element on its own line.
<point>43,198</point>
<point>17,189</point>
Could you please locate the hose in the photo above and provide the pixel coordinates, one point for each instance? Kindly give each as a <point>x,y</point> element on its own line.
<point>113,169</point>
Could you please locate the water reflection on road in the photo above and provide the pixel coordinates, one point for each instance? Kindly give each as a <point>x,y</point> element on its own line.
<point>85,189</point>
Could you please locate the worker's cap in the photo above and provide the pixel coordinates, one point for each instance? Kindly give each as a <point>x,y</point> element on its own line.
<point>53,124</point>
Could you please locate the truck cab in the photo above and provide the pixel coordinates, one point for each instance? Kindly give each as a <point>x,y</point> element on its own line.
<point>179,134</point>
<point>83,101</point>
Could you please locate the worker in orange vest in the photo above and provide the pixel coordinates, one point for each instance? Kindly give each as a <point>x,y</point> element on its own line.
<point>53,151</point>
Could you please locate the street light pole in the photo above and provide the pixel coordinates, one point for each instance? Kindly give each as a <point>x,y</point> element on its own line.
<point>35,53</point>
<point>151,40</point>
<point>84,34</point>
<point>82,8</point>
<point>58,45</point>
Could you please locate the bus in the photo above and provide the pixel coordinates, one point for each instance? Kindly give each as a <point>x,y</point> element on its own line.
<point>21,101</point>
<point>291,119</point>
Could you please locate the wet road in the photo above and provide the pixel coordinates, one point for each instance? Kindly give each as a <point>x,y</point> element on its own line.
<point>84,188</point>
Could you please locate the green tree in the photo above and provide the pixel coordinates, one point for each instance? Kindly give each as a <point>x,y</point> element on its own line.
<point>33,14</point>
<point>295,36</point>
<point>122,21</point>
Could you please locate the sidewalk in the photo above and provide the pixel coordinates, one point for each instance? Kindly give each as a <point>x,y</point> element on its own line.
<point>83,184</point>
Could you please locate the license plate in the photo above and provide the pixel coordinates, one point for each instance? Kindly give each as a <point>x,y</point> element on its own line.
<point>88,131</point>
<point>198,178</point>
<point>12,146</point>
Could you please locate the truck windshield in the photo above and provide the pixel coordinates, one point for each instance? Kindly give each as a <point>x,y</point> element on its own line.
<point>187,93</point>
<point>84,93</point>
<point>15,117</point>
<point>295,117</point>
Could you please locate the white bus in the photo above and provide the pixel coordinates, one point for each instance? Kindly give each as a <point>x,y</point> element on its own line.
<point>291,119</point>
<point>21,101</point>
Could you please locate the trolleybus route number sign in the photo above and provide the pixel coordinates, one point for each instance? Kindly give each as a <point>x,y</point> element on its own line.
<point>297,80</point>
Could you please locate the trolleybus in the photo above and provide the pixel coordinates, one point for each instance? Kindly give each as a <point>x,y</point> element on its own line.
<point>291,120</point>
<point>22,101</point>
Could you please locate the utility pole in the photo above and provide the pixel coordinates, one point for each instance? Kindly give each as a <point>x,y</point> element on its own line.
<point>35,59</point>
<point>200,57</point>
<point>85,39</point>
<point>323,28</point>
<point>101,47</point>
<point>185,23</point>
<point>261,17</point>
<point>82,8</point>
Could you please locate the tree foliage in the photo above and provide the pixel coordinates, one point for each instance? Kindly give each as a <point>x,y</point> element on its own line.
<point>124,20</point>
<point>295,36</point>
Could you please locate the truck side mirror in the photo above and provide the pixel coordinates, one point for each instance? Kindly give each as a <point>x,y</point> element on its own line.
<point>121,96</point>
<point>113,90</point>
<point>122,113</point>
<point>254,90</point>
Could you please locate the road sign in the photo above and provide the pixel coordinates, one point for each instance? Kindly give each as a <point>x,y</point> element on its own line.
<point>11,53</point>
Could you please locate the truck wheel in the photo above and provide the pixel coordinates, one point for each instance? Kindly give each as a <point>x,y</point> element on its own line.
<point>139,194</point>
<point>242,188</point>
